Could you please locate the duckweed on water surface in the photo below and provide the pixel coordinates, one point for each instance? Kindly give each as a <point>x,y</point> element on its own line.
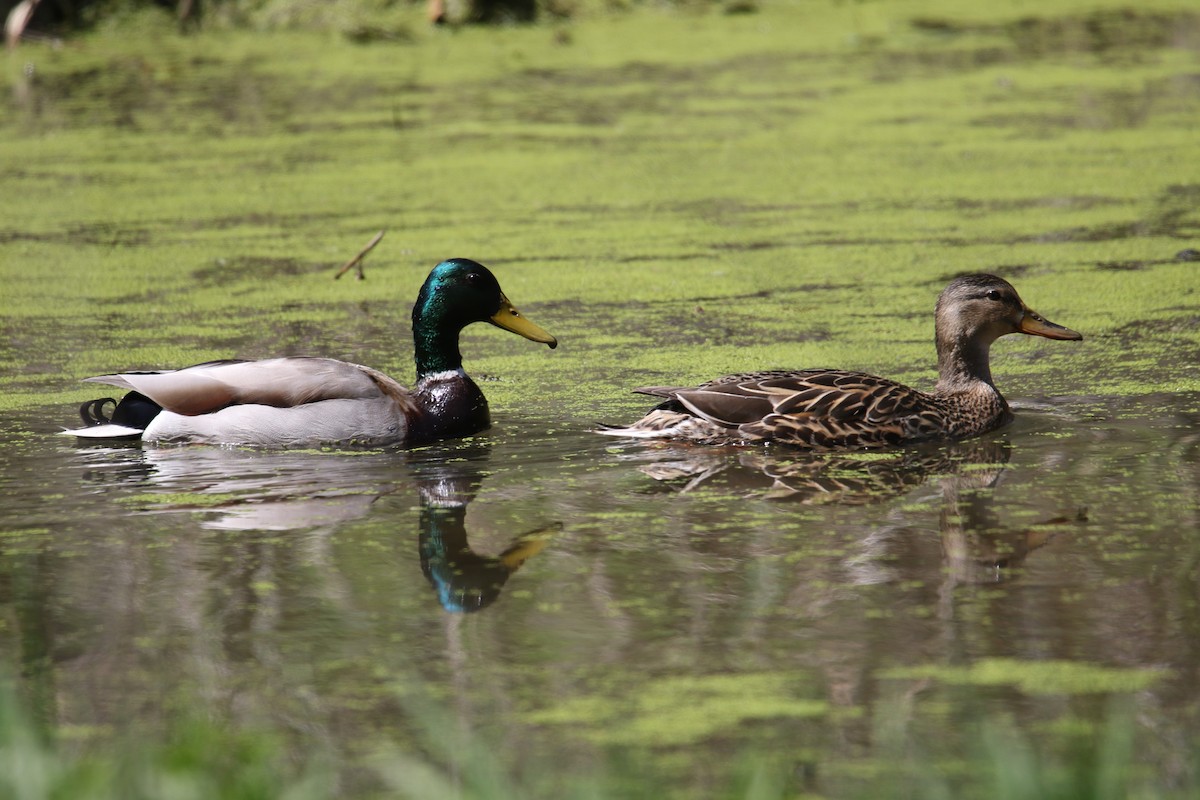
<point>1039,677</point>
<point>800,182</point>
<point>676,711</point>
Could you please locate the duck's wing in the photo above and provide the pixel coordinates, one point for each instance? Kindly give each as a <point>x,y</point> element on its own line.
<point>815,408</point>
<point>278,382</point>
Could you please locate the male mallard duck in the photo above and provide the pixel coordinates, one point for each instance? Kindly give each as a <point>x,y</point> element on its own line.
<point>827,408</point>
<point>303,401</point>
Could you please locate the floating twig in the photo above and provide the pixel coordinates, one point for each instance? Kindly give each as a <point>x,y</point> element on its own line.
<point>357,261</point>
<point>17,20</point>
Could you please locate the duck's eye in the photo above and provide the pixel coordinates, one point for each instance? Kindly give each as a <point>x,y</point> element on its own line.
<point>995,295</point>
<point>473,277</point>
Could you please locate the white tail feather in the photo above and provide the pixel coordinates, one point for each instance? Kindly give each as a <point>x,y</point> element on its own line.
<point>633,433</point>
<point>104,432</point>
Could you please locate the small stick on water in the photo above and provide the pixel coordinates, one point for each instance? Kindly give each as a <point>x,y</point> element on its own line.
<point>358,259</point>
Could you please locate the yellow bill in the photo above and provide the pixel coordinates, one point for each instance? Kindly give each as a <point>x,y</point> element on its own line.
<point>511,320</point>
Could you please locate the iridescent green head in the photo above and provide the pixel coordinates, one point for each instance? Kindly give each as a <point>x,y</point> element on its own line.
<point>456,293</point>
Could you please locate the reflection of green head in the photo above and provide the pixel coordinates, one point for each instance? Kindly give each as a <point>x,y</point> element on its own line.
<point>464,580</point>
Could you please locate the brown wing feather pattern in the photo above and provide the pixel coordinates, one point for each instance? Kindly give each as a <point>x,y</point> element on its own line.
<point>814,408</point>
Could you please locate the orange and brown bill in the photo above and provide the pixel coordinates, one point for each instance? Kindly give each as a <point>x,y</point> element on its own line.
<point>1037,325</point>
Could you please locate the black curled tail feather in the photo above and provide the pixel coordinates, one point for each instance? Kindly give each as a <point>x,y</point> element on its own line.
<point>92,412</point>
<point>134,411</point>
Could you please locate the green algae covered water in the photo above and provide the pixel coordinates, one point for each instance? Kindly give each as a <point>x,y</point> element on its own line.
<point>543,612</point>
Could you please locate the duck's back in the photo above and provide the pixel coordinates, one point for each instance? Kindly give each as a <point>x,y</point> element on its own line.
<point>816,409</point>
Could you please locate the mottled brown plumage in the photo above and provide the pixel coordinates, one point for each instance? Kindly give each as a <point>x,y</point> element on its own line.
<point>828,409</point>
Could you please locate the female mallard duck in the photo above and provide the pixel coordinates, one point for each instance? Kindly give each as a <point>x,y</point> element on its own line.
<point>826,408</point>
<point>283,402</point>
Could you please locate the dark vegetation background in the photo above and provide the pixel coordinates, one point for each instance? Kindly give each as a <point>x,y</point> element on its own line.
<point>63,17</point>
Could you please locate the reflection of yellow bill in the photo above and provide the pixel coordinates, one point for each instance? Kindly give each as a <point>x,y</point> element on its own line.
<point>527,546</point>
<point>511,320</point>
<point>1037,325</point>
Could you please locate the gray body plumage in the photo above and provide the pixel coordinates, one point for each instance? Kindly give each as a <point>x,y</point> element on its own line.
<point>375,421</point>
<point>278,402</point>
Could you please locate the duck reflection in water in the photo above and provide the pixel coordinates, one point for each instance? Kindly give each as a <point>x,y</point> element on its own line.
<point>464,580</point>
<point>976,547</point>
<point>247,490</point>
<point>811,478</point>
